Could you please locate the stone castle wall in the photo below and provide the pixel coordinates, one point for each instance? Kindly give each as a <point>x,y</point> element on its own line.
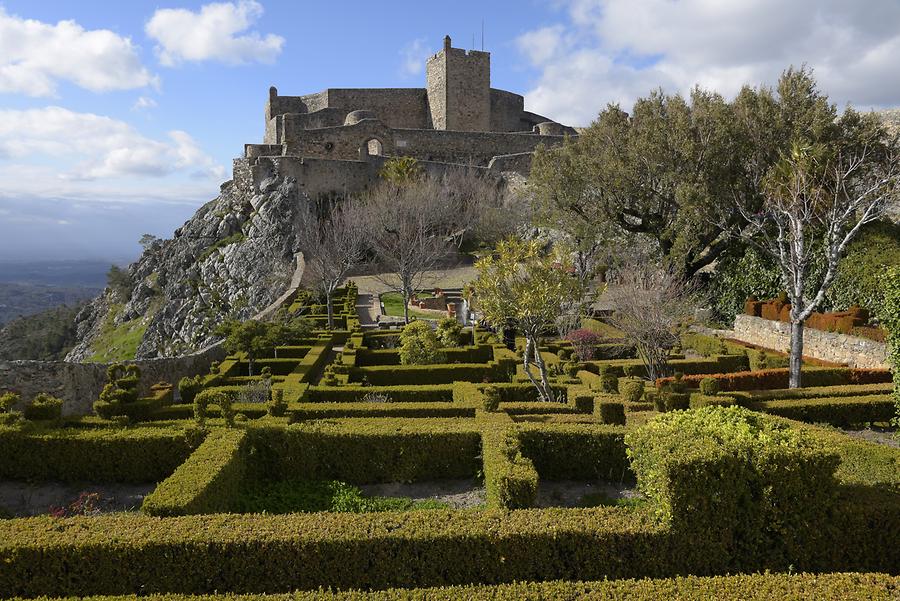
<point>827,346</point>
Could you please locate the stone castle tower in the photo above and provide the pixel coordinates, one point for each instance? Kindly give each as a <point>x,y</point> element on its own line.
<point>458,83</point>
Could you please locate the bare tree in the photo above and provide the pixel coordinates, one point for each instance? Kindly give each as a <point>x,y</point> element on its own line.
<point>816,200</point>
<point>408,230</point>
<point>651,302</point>
<point>333,241</point>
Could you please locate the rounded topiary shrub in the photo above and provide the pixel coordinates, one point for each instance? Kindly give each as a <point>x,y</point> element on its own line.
<point>632,390</point>
<point>8,400</point>
<point>564,354</point>
<point>709,386</point>
<point>189,387</point>
<point>419,345</point>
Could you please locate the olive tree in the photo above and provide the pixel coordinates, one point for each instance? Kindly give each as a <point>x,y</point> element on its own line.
<point>522,286</point>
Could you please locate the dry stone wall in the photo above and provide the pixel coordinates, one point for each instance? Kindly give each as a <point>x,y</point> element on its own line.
<point>827,346</point>
<point>79,384</point>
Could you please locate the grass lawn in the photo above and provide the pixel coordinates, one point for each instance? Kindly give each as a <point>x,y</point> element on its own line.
<point>393,306</point>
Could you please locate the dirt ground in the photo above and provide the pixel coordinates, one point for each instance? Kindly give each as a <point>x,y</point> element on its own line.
<point>23,499</point>
<point>464,494</point>
<point>875,434</point>
<point>568,493</point>
<point>459,494</point>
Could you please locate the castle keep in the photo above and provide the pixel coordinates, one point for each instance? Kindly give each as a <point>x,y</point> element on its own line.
<point>336,140</point>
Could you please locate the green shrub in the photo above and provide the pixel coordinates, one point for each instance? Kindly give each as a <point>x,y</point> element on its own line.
<point>277,407</point>
<point>709,386</point>
<point>761,469</point>
<point>361,451</point>
<point>189,387</point>
<point>419,345</point>
<point>449,332</point>
<point>44,407</point>
<point>8,400</point>
<point>704,400</point>
<point>890,314</point>
<point>611,412</point>
<point>632,391</point>
<point>491,399</point>
<point>564,354</point>
<point>208,482</point>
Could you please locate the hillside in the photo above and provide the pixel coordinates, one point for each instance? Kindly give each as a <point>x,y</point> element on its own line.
<point>231,259</point>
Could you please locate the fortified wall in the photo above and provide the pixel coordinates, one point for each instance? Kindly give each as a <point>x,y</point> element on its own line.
<point>335,141</point>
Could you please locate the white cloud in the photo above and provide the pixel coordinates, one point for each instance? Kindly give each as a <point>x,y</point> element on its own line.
<point>618,50</point>
<point>413,57</point>
<point>53,149</point>
<point>213,33</point>
<point>143,103</point>
<point>36,56</point>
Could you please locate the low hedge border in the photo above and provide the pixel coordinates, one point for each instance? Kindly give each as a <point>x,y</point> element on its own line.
<point>207,482</point>
<point>812,392</point>
<point>310,411</point>
<point>420,393</point>
<point>837,411</point>
<point>441,373</point>
<point>741,587</point>
<point>362,451</point>
<point>770,379</point>
<point>577,451</point>
<point>482,353</point>
<point>510,480</point>
<point>141,454</point>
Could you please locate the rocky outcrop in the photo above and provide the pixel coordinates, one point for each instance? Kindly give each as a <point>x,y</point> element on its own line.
<point>233,258</point>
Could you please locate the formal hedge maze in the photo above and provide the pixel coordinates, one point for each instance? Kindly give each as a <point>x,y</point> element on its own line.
<point>340,465</point>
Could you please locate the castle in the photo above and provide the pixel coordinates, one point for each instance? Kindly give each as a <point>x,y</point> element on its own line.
<point>335,141</point>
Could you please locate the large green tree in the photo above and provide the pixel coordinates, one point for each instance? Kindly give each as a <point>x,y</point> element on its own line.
<point>673,168</point>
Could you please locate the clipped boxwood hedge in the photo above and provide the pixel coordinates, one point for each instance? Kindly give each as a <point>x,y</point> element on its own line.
<point>310,411</point>
<point>577,451</point>
<point>143,454</point>
<point>741,587</point>
<point>837,411</point>
<point>207,482</point>
<point>364,451</point>
<point>420,393</point>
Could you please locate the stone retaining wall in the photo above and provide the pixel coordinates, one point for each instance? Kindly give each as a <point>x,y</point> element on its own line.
<point>838,348</point>
<point>79,384</point>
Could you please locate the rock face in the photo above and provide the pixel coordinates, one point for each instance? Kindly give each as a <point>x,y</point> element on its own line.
<point>231,259</point>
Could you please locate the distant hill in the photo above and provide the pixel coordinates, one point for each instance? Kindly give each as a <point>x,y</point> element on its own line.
<point>19,300</point>
<point>45,336</point>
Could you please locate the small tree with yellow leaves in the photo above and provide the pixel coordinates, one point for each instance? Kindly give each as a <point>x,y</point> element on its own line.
<point>522,286</point>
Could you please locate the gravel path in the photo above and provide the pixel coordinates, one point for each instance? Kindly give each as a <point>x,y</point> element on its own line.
<point>568,493</point>
<point>883,436</point>
<point>24,499</point>
<point>458,494</point>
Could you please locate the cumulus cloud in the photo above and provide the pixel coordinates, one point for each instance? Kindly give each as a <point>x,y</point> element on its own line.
<point>413,57</point>
<point>617,50</point>
<point>217,32</point>
<point>35,56</point>
<point>85,147</point>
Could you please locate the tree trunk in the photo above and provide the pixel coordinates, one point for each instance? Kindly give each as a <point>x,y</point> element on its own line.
<point>796,353</point>
<point>530,344</point>
<point>329,303</point>
<point>250,365</point>
<point>545,384</point>
<point>405,307</point>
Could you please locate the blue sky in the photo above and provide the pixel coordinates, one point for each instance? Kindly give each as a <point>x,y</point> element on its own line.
<point>122,118</point>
